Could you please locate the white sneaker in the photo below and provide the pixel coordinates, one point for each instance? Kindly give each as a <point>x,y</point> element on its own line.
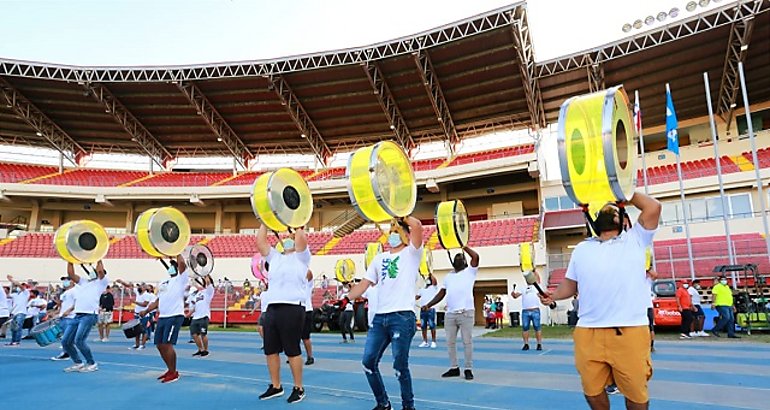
<point>141,347</point>
<point>684,336</point>
<point>423,344</point>
<point>105,340</point>
<point>432,345</point>
<point>89,368</point>
<point>74,368</point>
<point>703,334</point>
<point>694,334</point>
<point>97,340</point>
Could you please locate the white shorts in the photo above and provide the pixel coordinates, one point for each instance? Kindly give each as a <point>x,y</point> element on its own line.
<point>105,317</point>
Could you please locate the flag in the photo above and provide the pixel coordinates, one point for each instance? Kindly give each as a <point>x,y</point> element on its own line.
<point>637,114</point>
<point>672,135</point>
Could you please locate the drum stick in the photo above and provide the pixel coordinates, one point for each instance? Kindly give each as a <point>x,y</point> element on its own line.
<point>530,278</point>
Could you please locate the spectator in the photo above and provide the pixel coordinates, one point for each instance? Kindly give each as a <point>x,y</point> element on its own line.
<point>428,317</point>
<point>246,285</point>
<point>324,282</point>
<point>572,315</point>
<point>685,309</point>
<point>499,312</point>
<point>698,316</point>
<point>723,303</point>
<point>106,306</point>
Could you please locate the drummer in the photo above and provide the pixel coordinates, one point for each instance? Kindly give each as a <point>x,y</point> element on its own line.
<point>200,313</point>
<point>18,309</point>
<point>288,294</point>
<point>170,305</point>
<point>86,310</point>
<point>142,299</point>
<point>395,274</point>
<point>67,315</point>
<point>308,323</point>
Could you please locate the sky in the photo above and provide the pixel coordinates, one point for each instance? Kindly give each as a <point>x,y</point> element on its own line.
<point>178,32</point>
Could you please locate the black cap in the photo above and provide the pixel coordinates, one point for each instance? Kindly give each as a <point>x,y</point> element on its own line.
<point>64,278</point>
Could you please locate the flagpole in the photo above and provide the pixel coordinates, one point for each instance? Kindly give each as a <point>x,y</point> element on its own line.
<point>638,125</point>
<point>723,198</point>
<point>754,158</point>
<point>681,196</point>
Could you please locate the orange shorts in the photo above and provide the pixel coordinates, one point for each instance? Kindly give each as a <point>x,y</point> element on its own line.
<point>604,356</point>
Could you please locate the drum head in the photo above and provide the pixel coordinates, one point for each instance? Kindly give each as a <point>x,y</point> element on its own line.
<point>452,224</point>
<point>169,231</point>
<point>290,198</point>
<point>130,324</point>
<point>200,259</point>
<point>345,270</point>
<point>81,242</point>
<point>258,267</point>
<point>527,256</point>
<point>426,262</point>
<point>372,249</point>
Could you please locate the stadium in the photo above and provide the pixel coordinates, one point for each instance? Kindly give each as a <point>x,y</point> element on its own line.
<point>439,95</point>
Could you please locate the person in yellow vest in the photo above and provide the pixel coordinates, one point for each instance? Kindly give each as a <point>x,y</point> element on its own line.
<point>723,303</point>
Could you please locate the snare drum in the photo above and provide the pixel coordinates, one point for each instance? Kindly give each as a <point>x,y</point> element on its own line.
<point>47,332</point>
<point>132,328</point>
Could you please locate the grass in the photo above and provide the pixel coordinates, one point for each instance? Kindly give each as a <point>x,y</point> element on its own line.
<point>565,332</point>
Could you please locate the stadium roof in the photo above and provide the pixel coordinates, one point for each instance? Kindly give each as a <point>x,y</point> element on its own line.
<point>461,79</point>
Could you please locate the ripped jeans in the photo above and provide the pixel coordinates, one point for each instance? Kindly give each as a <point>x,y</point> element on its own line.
<point>398,329</point>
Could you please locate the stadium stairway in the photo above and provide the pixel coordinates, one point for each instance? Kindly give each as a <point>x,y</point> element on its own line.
<point>138,180</point>
<point>329,245</point>
<point>743,163</point>
<point>42,177</point>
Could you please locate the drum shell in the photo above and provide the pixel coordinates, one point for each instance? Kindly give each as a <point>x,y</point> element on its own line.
<point>372,250</point>
<point>65,242</point>
<point>426,262</point>
<point>450,216</point>
<point>267,208</point>
<point>527,256</point>
<point>345,270</point>
<point>132,328</point>
<point>46,333</point>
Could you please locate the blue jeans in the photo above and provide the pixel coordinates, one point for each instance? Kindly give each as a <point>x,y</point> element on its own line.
<point>428,318</point>
<point>397,328</point>
<point>530,315</point>
<point>726,319</point>
<point>16,334</point>
<point>82,325</point>
<point>68,327</point>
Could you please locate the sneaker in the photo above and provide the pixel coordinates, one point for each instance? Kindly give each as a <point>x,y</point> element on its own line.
<point>684,336</point>
<point>190,341</point>
<point>715,333</point>
<point>612,389</point>
<point>204,353</point>
<point>703,334</point>
<point>105,340</point>
<point>344,341</point>
<point>170,377</point>
<point>309,361</point>
<point>74,368</point>
<point>453,372</point>
<point>97,340</point>
<point>423,344</point>
<point>61,356</point>
<point>271,392</point>
<point>381,407</point>
<point>133,348</point>
<point>12,344</point>
<point>297,395</point>
<point>539,347</point>
<point>526,347</point>
<point>693,334</point>
<point>163,376</point>
<point>432,345</point>
<point>468,374</point>
<point>352,340</point>
<point>89,368</point>
<point>198,353</point>
<point>141,347</point>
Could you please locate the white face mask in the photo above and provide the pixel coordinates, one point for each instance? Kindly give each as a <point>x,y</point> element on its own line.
<point>394,240</point>
<point>723,281</point>
<point>172,270</point>
<point>685,286</point>
<point>66,283</point>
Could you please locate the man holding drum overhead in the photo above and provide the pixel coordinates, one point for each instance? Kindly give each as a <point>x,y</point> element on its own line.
<point>285,315</point>
<point>86,309</point>
<point>612,339</point>
<point>395,274</point>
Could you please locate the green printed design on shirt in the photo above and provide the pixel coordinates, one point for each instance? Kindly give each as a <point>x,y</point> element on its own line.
<point>393,268</point>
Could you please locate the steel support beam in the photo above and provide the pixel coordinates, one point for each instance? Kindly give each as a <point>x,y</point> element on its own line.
<point>595,73</point>
<point>737,50</point>
<point>139,134</point>
<point>436,96</point>
<point>304,123</point>
<point>727,14</point>
<point>389,106</point>
<point>44,127</point>
<point>525,52</point>
<point>216,123</point>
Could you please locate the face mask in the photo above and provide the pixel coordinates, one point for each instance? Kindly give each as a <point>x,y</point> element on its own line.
<point>723,281</point>
<point>697,286</point>
<point>172,271</point>
<point>91,274</point>
<point>606,222</point>
<point>16,290</point>
<point>394,240</point>
<point>686,286</point>
<point>288,244</point>
<point>66,283</point>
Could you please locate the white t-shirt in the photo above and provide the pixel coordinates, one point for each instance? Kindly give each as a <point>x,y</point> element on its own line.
<point>459,289</point>
<point>426,295</point>
<point>143,297</point>
<point>171,295</point>
<point>150,297</point>
<point>529,299</point>
<point>202,302</point>
<point>35,306</point>
<point>694,295</point>
<point>90,291</point>
<point>309,300</point>
<point>371,296</point>
<point>4,308</point>
<point>395,275</point>
<point>19,303</point>
<point>611,279</point>
<point>288,276</point>
<point>68,301</point>
<point>349,305</point>
<point>264,300</point>
<point>652,294</point>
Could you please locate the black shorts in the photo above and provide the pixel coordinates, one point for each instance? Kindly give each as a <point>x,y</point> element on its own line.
<point>167,330</point>
<point>651,318</point>
<point>199,326</point>
<point>308,325</point>
<point>699,311</point>
<point>282,328</point>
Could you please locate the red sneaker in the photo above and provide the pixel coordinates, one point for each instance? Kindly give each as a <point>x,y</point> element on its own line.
<point>170,378</point>
<point>163,376</point>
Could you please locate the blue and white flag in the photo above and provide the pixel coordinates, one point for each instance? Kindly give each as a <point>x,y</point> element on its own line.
<point>672,135</point>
